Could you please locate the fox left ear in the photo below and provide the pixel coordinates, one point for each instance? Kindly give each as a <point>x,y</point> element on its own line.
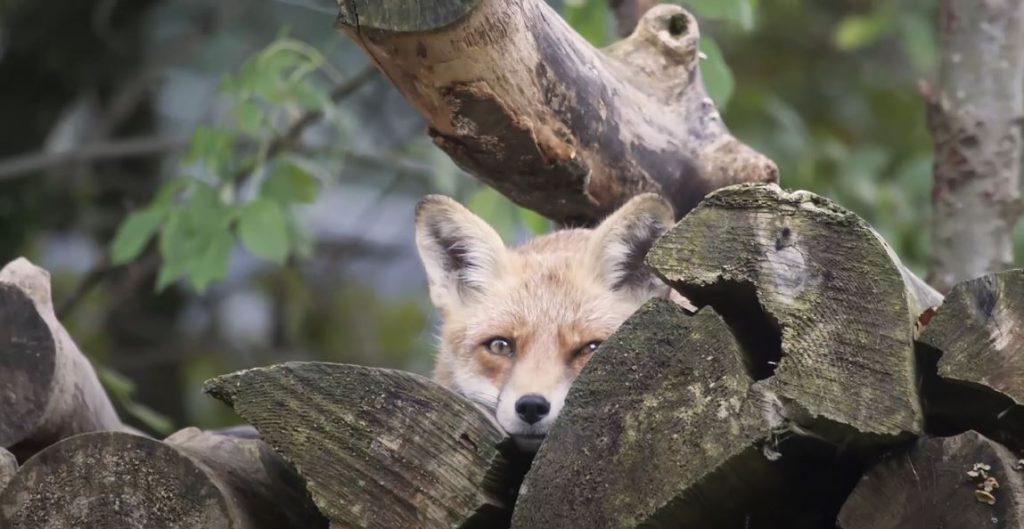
<point>621,242</point>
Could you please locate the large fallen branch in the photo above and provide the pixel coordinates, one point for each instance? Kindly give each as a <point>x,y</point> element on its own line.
<point>522,102</point>
<point>49,389</point>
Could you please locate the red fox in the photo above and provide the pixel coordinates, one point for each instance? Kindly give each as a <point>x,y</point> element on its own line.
<point>520,323</point>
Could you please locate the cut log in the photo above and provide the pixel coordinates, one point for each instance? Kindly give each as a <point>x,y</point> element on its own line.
<point>49,389</point>
<point>663,430</point>
<point>8,466</point>
<point>974,345</point>
<point>941,482</point>
<point>825,310</point>
<point>379,448</point>
<point>193,480</point>
<point>526,105</point>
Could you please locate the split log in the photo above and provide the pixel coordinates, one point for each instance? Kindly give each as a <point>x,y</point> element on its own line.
<point>663,430</point>
<point>8,466</point>
<point>192,480</point>
<point>50,390</point>
<point>974,347</point>
<point>823,307</point>
<point>941,482</point>
<point>379,448</point>
<point>526,105</point>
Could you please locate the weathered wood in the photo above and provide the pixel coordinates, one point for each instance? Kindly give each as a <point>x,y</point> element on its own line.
<point>663,430</point>
<point>941,482</point>
<point>379,448</point>
<point>975,343</point>
<point>974,114</point>
<point>823,306</point>
<point>48,389</point>
<point>8,466</point>
<point>193,480</point>
<point>525,104</point>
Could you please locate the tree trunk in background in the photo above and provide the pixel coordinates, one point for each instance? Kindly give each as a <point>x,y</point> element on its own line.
<point>628,13</point>
<point>974,115</point>
<point>526,105</point>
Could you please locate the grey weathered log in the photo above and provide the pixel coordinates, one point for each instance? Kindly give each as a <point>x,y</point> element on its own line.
<point>820,302</point>
<point>191,480</point>
<point>379,448</point>
<point>663,429</point>
<point>526,105</point>
<point>929,486</point>
<point>48,389</point>
<point>974,347</point>
<point>8,466</point>
<point>974,114</point>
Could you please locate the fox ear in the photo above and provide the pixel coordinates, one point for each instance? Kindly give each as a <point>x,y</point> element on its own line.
<point>461,253</point>
<point>620,243</point>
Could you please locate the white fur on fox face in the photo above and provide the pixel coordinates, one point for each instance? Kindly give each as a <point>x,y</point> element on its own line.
<point>529,436</point>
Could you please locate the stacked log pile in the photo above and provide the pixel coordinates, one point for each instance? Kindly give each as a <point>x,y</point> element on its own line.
<point>818,385</point>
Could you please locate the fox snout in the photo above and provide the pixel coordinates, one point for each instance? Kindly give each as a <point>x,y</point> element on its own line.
<point>528,415</point>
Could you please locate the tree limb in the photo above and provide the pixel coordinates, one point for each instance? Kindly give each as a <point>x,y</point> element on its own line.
<point>974,114</point>
<point>523,103</point>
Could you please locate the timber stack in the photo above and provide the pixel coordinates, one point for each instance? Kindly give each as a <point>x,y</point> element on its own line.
<point>818,384</point>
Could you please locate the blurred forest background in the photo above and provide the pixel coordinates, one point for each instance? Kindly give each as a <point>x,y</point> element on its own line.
<point>300,167</point>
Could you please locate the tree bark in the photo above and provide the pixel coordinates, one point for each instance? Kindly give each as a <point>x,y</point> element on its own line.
<point>8,467</point>
<point>192,480</point>
<point>526,105</point>
<point>974,115</point>
<point>50,389</point>
<point>663,429</point>
<point>974,347</point>
<point>379,449</point>
<point>930,487</point>
<point>823,308</point>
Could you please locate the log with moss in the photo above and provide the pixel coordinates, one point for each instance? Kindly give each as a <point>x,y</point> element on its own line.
<point>973,348</point>
<point>379,448</point>
<point>192,480</point>
<point>665,429</point>
<point>524,103</point>
<point>823,307</point>
<point>50,390</point>
<point>966,481</point>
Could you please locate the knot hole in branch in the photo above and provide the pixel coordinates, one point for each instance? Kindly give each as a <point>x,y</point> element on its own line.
<point>678,25</point>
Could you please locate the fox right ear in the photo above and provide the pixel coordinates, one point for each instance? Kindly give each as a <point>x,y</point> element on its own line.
<point>461,253</point>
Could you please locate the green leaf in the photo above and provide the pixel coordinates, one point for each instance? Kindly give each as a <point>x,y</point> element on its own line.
<point>289,183</point>
<point>134,233</point>
<point>212,147</point>
<point>211,262</point>
<point>249,116</point>
<point>717,76</point>
<point>263,229</point>
<point>858,31</point>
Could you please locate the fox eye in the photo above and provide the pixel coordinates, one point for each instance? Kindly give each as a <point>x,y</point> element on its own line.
<point>587,349</point>
<point>500,347</point>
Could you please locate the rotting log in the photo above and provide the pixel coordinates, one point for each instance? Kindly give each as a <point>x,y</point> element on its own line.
<point>48,389</point>
<point>8,466</point>
<point>191,480</point>
<point>973,348</point>
<point>522,102</point>
<point>379,448</point>
<point>966,481</point>
<point>822,306</point>
<point>663,429</point>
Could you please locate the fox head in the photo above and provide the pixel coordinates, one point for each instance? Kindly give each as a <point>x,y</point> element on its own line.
<point>520,323</point>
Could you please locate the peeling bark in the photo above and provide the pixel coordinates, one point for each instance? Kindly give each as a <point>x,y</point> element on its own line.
<point>522,102</point>
<point>974,115</point>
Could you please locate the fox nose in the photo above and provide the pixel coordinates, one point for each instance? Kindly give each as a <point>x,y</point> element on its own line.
<point>532,408</point>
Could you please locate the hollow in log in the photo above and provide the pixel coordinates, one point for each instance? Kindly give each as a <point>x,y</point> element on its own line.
<point>974,347</point>
<point>822,306</point>
<point>963,481</point>
<point>379,448</point>
<point>525,104</point>
<point>193,480</point>
<point>662,429</point>
<point>49,389</point>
